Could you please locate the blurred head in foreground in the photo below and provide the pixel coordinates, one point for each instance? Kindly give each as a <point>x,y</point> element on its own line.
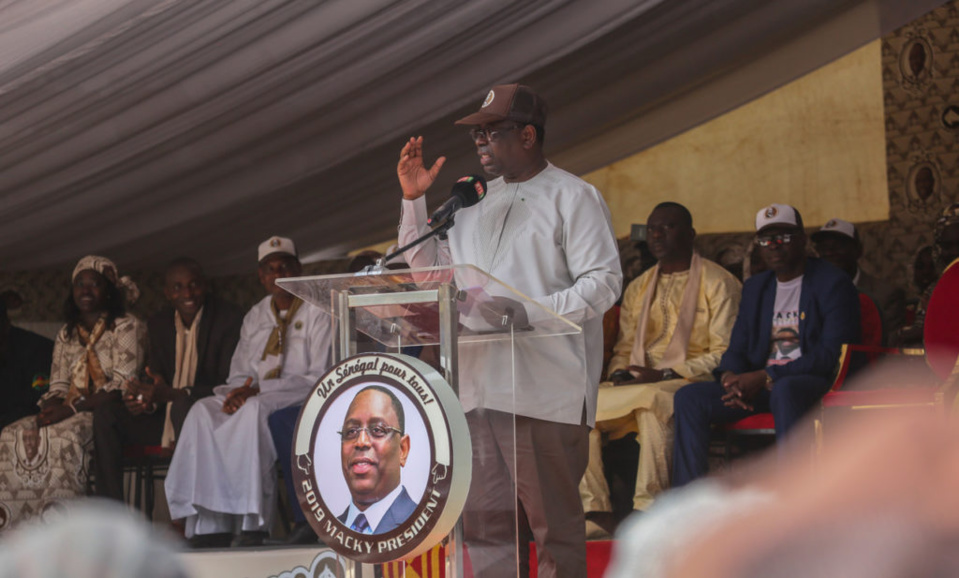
<point>90,539</point>
<point>879,501</point>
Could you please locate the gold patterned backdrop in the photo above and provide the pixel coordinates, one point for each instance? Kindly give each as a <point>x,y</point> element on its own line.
<point>921,95</point>
<point>920,79</point>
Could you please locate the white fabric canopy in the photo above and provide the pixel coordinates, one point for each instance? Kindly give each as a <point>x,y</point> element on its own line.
<point>150,129</point>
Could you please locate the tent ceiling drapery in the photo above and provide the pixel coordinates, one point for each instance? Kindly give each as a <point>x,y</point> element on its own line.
<point>149,129</point>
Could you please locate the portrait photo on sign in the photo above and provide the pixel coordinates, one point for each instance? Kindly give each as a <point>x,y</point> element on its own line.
<point>31,447</point>
<point>372,456</point>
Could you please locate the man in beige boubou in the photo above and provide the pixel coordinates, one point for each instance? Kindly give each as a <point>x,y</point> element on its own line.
<point>674,326</point>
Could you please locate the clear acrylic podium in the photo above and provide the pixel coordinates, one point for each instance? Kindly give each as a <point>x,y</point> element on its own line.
<point>468,315</point>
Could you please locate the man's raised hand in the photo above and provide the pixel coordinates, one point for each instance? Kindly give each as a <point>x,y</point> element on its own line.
<point>413,175</point>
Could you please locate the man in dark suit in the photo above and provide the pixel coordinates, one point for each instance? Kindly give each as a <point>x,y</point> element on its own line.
<point>25,360</point>
<point>191,345</point>
<point>399,511</point>
<point>374,449</point>
<point>793,320</point>
<point>838,242</point>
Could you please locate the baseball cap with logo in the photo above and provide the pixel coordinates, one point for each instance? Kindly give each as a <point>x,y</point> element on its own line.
<point>509,102</point>
<point>778,215</point>
<point>837,227</point>
<point>275,245</point>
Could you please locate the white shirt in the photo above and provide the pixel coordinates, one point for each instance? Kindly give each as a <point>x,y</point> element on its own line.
<point>307,350</point>
<point>550,238</point>
<point>374,512</point>
<point>784,340</point>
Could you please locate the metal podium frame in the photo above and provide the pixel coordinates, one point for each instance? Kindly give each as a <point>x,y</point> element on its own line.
<point>345,346</point>
<point>389,291</point>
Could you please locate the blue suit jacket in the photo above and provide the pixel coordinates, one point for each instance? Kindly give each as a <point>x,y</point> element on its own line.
<point>401,509</point>
<point>828,317</point>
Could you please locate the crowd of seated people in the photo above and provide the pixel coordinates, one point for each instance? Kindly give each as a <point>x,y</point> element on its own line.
<point>199,379</point>
<point>691,347</point>
<point>693,352</point>
<point>222,481</point>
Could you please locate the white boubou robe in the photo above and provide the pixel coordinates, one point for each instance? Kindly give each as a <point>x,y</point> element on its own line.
<point>221,478</point>
<point>551,238</point>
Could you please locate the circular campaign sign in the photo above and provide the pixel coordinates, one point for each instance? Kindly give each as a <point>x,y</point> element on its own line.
<point>382,458</point>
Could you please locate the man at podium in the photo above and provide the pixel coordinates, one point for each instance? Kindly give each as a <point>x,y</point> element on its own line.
<point>548,234</point>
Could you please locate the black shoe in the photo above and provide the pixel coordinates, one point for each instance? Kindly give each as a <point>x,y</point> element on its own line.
<point>219,540</point>
<point>302,534</point>
<point>250,539</point>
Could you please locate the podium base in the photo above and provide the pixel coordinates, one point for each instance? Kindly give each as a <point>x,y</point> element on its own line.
<point>303,561</point>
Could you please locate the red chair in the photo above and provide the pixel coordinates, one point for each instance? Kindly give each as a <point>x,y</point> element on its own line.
<point>760,424</point>
<point>941,356</point>
<point>763,424</point>
<point>940,335</point>
<point>871,322</point>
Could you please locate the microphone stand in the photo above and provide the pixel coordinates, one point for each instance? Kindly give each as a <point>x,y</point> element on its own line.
<point>441,230</point>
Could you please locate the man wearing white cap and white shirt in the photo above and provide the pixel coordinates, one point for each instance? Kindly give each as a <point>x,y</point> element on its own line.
<point>838,242</point>
<point>221,479</point>
<point>792,322</point>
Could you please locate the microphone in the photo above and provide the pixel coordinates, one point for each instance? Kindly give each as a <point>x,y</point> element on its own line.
<point>466,192</point>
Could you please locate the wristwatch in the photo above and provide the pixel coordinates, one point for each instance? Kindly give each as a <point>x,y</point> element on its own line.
<point>621,374</point>
<point>769,380</point>
<point>669,374</point>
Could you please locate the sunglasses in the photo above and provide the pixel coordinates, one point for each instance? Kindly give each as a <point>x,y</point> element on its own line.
<point>770,240</point>
<point>491,134</point>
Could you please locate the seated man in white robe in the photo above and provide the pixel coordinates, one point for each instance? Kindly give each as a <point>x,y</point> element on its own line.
<point>222,478</point>
<point>675,324</point>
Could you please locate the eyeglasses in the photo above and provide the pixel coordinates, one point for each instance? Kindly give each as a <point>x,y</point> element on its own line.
<point>770,240</point>
<point>376,432</point>
<point>491,134</point>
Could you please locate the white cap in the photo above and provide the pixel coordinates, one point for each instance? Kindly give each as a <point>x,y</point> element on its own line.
<point>840,227</point>
<point>276,245</point>
<point>776,214</point>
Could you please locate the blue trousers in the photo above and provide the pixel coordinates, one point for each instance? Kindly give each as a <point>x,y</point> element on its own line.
<point>699,405</point>
<point>282,428</point>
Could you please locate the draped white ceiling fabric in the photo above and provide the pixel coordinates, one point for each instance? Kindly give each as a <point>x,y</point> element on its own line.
<point>150,129</point>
